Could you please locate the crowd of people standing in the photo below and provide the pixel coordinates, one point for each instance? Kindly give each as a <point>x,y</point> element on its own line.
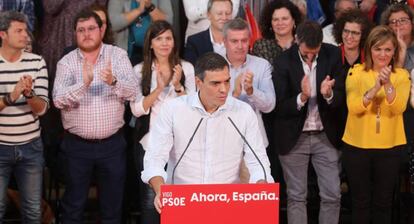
<point>104,81</point>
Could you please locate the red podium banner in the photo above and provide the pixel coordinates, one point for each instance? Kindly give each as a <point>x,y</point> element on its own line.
<point>220,204</point>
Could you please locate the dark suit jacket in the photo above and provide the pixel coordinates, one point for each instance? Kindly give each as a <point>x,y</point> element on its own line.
<point>287,120</point>
<point>197,45</point>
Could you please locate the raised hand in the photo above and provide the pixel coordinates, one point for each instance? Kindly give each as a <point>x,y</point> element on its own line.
<point>28,84</point>
<point>161,79</point>
<point>327,86</point>
<point>384,75</point>
<point>248,82</point>
<point>18,90</point>
<point>178,73</point>
<point>306,88</point>
<point>401,42</point>
<point>141,6</point>
<point>87,72</point>
<point>238,85</point>
<point>106,74</point>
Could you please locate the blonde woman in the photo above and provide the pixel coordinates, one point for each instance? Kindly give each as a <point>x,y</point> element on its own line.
<point>377,94</point>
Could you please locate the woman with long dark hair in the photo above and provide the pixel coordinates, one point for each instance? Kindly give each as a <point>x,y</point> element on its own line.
<point>162,76</point>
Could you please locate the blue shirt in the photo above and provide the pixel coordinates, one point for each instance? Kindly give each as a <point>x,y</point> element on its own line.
<point>263,99</point>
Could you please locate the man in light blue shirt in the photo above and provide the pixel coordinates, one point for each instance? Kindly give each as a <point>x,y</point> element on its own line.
<point>209,118</point>
<point>251,76</point>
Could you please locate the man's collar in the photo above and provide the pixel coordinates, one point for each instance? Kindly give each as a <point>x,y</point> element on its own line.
<point>303,61</point>
<point>16,55</point>
<point>101,51</point>
<point>196,103</point>
<point>212,38</point>
<point>242,65</point>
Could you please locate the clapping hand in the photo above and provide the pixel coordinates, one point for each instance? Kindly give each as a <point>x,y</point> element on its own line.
<point>248,83</point>
<point>306,88</point>
<point>28,84</point>
<point>106,74</point>
<point>178,73</point>
<point>327,86</point>
<point>87,72</point>
<point>161,79</point>
<point>384,75</point>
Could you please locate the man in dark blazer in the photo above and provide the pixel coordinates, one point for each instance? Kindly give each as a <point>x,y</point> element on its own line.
<point>218,12</point>
<point>307,120</point>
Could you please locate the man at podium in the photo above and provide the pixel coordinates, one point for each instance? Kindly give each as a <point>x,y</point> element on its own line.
<point>204,136</point>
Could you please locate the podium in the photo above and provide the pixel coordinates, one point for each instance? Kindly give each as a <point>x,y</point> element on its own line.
<point>220,204</point>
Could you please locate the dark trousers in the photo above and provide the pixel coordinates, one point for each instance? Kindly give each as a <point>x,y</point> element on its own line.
<point>372,176</point>
<point>81,159</point>
<point>148,213</point>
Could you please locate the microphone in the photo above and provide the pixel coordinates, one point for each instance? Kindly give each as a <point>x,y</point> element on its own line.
<point>185,150</point>
<point>247,143</point>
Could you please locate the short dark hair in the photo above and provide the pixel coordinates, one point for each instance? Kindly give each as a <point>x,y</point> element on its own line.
<point>109,34</point>
<point>7,17</point>
<point>352,16</point>
<point>210,61</point>
<point>310,33</point>
<point>267,13</point>
<point>86,14</point>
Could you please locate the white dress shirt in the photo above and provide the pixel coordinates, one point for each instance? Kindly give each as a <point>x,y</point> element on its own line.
<point>169,93</point>
<point>263,99</point>
<point>219,48</point>
<point>313,120</point>
<point>215,154</point>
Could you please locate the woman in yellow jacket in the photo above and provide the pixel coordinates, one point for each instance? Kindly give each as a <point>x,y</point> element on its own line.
<point>377,95</point>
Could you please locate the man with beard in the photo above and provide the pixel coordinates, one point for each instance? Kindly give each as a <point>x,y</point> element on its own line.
<point>307,121</point>
<point>92,84</point>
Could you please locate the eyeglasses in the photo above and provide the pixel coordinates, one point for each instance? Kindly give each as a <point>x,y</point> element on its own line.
<point>89,29</point>
<point>353,33</point>
<point>400,21</point>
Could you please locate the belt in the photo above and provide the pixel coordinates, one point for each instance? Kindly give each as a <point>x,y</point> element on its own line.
<point>311,132</point>
<point>77,137</point>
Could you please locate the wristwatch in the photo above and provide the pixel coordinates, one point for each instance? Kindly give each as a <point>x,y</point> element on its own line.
<point>30,95</point>
<point>180,90</point>
<point>150,8</point>
<point>367,97</point>
<point>390,90</point>
<point>114,81</point>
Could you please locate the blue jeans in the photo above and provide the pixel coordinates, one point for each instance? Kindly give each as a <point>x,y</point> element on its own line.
<point>26,163</point>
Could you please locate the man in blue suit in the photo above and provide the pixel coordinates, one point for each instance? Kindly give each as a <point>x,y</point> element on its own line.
<point>218,12</point>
